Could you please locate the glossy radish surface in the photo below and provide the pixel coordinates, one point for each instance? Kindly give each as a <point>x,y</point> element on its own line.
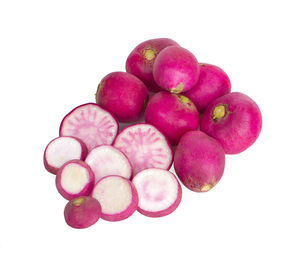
<point>159,192</point>
<point>107,160</point>
<point>90,123</point>
<point>145,147</point>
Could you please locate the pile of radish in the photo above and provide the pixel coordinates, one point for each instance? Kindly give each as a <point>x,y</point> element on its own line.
<point>192,119</point>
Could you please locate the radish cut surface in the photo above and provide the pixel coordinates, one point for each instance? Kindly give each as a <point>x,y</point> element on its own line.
<point>117,196</point>
<point>159,192</point>
<point>75,178</point>
<point>145,146</point>
<point>91,123</point>
<point>107,160</point>
<point>61,150</point>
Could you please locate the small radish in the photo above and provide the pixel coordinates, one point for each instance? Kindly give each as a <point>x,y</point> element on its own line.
<point>117,196</point>
<point>82,212</point>
<point>91,123</point>
<point>107,160</point>
<point>176,69</point>
<point>145,147</point>
<point>234,120</point>
<point>140,60</point>
<point>159,192</point>
<point>74,179</point>
<point>173,114</point>
<point>122,94</point>
<point>199,161</point>
<point>213,82</point>
<point>63,149</point>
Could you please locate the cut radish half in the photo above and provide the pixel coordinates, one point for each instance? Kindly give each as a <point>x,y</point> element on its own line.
<point>159,192</point>
<point>107,160</point>
<point>75,178</point>
<point>61,150</point>
<point>91,123</point>
<point>117,196</point>
<point>145,146</point>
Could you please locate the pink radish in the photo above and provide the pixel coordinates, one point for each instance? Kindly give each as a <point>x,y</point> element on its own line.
<point>107,160</point>
<point>173,114</point>
<point>63,149</point>
<point>91,123</point>
<point>117,196</point>
<point>213,82</point>
<point>82,212</point>
<point>75,178</point>
<point>159,192</point>
<point>122,94</point>
<point>145,146</point>
<point>176,69</point>
<point>140,60</point>
<point>199,161</point>
<point>234,120</point>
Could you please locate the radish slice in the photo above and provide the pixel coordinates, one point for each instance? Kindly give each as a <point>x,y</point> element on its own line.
<point>117,196</point>
<point>145,146</point>
<point>107,160</point>
<point>61,150</point>
<point>91,123</point>
<point>75,178</point>
<point>159,192</point>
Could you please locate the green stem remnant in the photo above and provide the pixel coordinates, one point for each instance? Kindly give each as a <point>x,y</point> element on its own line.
<point>218,112</point>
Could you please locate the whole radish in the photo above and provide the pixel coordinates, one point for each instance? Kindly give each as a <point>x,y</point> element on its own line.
<point>234,120</point>
<point>140,61</point>
<point>122,94</point>
<point>173,114</point>
<point>175,69</point>
<point>213,82</point>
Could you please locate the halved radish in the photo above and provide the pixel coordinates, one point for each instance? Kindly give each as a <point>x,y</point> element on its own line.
<point>107,160</point>
<point>75,178</point>
<point>91,123</point>
<point>117,196</point>
<point>159,192</point>
<point>61,150</point>
<point>145,146</point>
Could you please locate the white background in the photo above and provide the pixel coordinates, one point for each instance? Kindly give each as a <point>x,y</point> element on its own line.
<point>52,56</point>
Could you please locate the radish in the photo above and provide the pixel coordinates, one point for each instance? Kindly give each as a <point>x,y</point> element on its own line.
<point>173,114</point>
<point>176,69</point>
<point>117,196</point>
<point>212,83</point>
<point>75,178</point>
<point>234,120</point>
<point>145,147</point>
<point>63,149</point>
<point>199,161</point>
<point>122,94</point>
<point>91,123</point>
<point>82,212</point>
<point>107,160</point>
<point>140,60</point>
<point>159,192</point>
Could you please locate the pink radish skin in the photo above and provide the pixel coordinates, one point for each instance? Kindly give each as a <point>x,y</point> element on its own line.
<point>199,161</point>
<point>145,147</point>
<point>63,149</point>
<point>106,160</point>
<point>82,212</point>
<point>173,114</point>
<point>140,61</point>
<point>122,94</point>
<point>234,120</point>
<point>159,192</point>
<point>117,196</point>
<point>213,82</point>
<point>74,179</point>
<point>90,123</point>
<point>176,69</point>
